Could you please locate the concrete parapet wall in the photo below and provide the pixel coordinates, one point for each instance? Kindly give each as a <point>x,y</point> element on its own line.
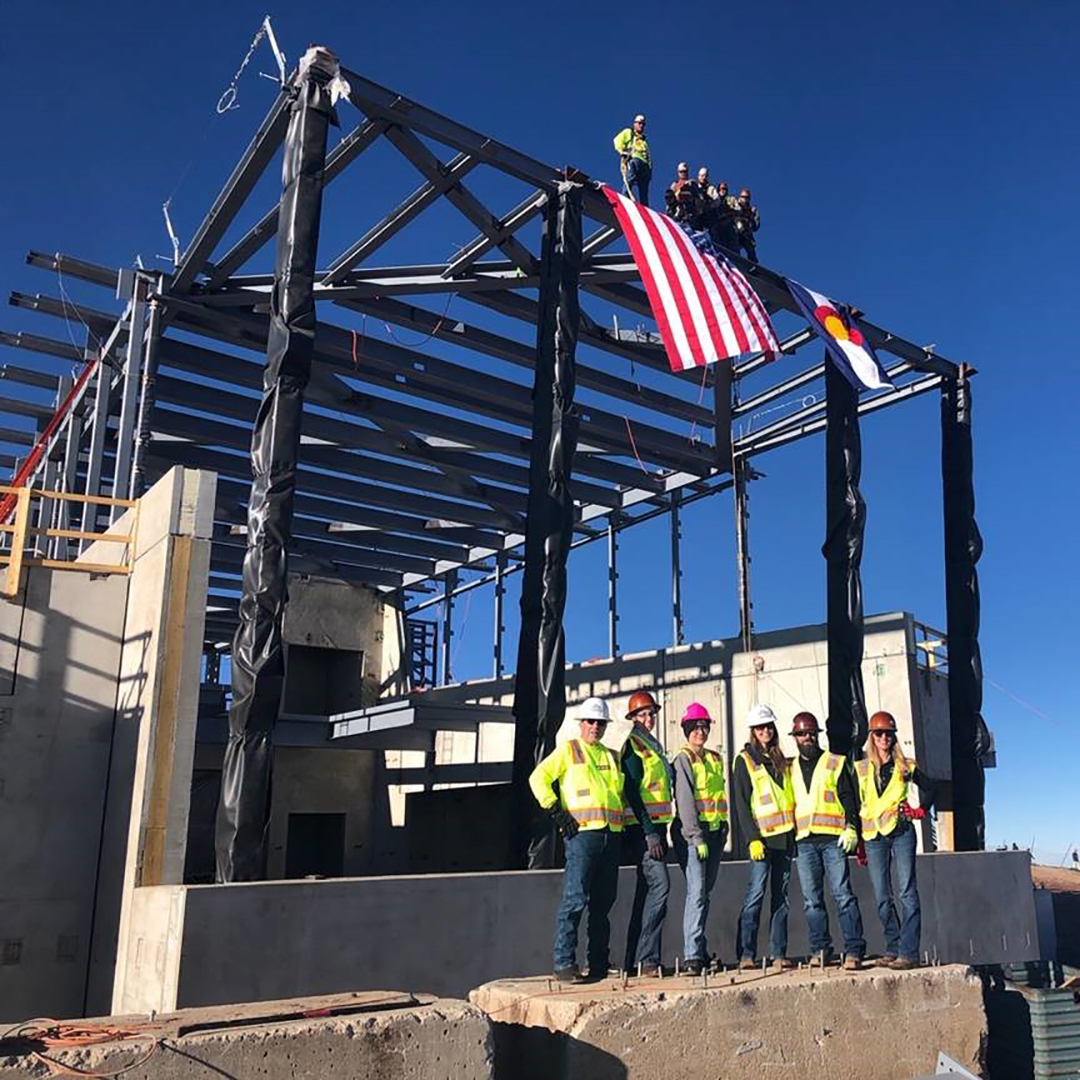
<point>447,933</point>
<point>866,1026</point>
<point>375,1036</point>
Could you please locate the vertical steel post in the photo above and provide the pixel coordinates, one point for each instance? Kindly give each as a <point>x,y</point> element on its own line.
<point>676,569</point>
<point>741,469</point>
<point>613,586</point>
<point>258,659</point>
<point>130,381</point>
<point>143,429</point>
<point>49,510</point>
<point>963,548</point>
<point>540,676</point>
<point>450,580</point>
<point>99,422</point>
<point>500,598</point>
<point>69,476</point>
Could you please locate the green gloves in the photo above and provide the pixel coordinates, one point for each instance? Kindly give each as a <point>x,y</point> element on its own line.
<point>848,840</point>
<point>702,851</point>
<point>757,851</point>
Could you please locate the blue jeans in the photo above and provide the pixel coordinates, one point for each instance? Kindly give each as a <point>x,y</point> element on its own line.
<point>818,858</point>
<point>775,869</point>
<point>650,902</point>
<point>590,880</point>
<point>882,853</point>
<point>700,879</point>
<point>638,175</point>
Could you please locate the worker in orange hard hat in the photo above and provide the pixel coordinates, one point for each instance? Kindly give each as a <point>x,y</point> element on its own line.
<point>700,829</point>
<point>764,803</point>
<point>647,792</point>
<point>826,833</point>
<point>747,222</point>
<point>884,776</point>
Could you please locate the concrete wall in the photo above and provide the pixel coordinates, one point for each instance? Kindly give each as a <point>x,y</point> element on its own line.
<point>444,934</point>
<point>101,718</point>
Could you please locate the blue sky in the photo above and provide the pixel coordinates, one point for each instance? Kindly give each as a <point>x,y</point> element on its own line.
<point>917,160</point>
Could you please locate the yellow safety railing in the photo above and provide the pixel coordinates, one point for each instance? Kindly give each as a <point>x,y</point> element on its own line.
<point>18,538</point>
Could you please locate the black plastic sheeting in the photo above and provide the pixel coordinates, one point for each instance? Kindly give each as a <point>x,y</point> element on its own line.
<point>843,548</point>
<point>540,680</point>
<point>963,548</point>
<point>258,663</point>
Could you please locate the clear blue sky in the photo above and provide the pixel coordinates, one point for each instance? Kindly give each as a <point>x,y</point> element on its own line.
<point>918,160</point>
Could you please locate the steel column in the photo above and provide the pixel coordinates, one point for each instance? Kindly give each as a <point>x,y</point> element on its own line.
<point>500,597</point>
<point>613,587</point>
<point>143,432</point>
<point>742,552</point>
<point>130,383</point>
<point>449,585</point>
<point>677,635</point>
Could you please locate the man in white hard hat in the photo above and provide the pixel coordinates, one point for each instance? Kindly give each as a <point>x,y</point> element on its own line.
<point>764,802</point>
<point>634,160</point>
<point>588,811</point>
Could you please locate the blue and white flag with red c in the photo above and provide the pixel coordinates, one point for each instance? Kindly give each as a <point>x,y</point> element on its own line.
<point>847,344</point>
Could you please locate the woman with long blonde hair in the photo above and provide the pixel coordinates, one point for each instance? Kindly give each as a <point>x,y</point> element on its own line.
<point>884,776</point>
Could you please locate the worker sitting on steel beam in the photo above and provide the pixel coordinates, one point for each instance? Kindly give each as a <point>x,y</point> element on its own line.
<point>634,160</point>
<point>884,776</point>
<point>826,833</point>
<point>747,222</point>
<point>764,801</point>
<point>648,796</point>
<point>700,829</point>
<point>588,811</point>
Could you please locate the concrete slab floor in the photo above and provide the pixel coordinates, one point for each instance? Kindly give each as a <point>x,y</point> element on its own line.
<point>359,1036</point>
<point>870,1025</point>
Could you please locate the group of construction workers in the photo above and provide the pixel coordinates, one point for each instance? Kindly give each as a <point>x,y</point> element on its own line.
<point>731,221</point>
<point>816,809</point>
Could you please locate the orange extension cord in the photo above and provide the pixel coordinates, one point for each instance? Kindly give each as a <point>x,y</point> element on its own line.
<point>54,1035</point>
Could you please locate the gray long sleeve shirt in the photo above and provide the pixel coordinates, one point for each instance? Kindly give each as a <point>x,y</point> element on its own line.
<point>694,832</point>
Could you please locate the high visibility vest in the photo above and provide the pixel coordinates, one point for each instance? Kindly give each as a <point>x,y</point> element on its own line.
<point>710,795</point>
<point>818,810</point>
<point>773,806</point>
<point>880,813</point>
<point>590,784</point>
<point>655,783</point>
<point>632,144</point>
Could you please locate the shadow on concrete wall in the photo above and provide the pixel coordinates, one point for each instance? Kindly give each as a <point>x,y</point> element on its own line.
<point>528,1053</point>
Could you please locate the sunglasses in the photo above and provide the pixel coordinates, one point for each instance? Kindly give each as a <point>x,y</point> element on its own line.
<point>883,734</point>
<point>600,723</point>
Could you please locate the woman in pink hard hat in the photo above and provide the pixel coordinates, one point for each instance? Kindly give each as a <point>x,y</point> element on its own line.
<point>700,828</point>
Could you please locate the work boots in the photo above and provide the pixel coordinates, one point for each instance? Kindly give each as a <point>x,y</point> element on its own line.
<point>852,962</point>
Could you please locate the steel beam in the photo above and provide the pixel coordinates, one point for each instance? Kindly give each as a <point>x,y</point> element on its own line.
<point>449,584</point>
<point>237,188</point>
<point>676,569</point>
<point>500,600</point>
<point>521,215</point>
<point>130,384</point>
<point>613,587</point>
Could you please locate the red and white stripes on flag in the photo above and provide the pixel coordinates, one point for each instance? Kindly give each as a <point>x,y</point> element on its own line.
<point>705,308</point>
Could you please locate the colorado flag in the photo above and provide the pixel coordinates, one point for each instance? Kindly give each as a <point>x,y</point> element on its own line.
<point>850,350</point>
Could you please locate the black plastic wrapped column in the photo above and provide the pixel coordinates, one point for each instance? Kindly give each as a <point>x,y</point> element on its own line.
<point>540,684</point>
<point>258,665</point>
<point>845,524</point>
<point>963,547</point>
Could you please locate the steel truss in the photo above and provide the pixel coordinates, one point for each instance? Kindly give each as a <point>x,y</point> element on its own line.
<point>415,459</point>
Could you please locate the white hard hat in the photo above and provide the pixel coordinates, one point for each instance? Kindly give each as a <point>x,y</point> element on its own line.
<point>594,708</point>
<point>759,715</point>
<point>684,166</point>
<point>640,117</point>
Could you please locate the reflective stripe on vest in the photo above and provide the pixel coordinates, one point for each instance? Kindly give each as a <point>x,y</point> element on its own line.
<point>591,786</point>
<point>879,813</point>
<point>710,794</point>
<point>655,784</point>
<point>773,806</point>
<point>818,810</point>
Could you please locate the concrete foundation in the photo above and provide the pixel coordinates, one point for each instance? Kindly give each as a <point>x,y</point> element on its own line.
<point>866,1026</point>
<point>445,934</point>
<point>372,1036</point>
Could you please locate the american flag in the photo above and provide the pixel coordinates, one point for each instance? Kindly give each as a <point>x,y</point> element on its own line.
<point>705,308</point>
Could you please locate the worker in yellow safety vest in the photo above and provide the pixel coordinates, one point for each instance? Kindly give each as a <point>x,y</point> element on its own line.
<point>826,833</point>
<point>700,830</point>
<point>764,803</point>
<point>634,159</point>
<point>588,811</point>
<point>647,792</point>
<point>884,776</point>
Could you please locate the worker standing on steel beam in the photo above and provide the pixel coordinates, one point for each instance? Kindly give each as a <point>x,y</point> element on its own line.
<point>826,833</point>
<point>700,831</point>
<point>647,791</point>
<point>588,811</point>
<point>634,159</point>
<point>884,776</point>
<point>764,801</point>
<point>747,222</point>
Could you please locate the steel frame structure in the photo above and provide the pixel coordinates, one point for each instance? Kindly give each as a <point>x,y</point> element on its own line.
<point>414,464</point>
